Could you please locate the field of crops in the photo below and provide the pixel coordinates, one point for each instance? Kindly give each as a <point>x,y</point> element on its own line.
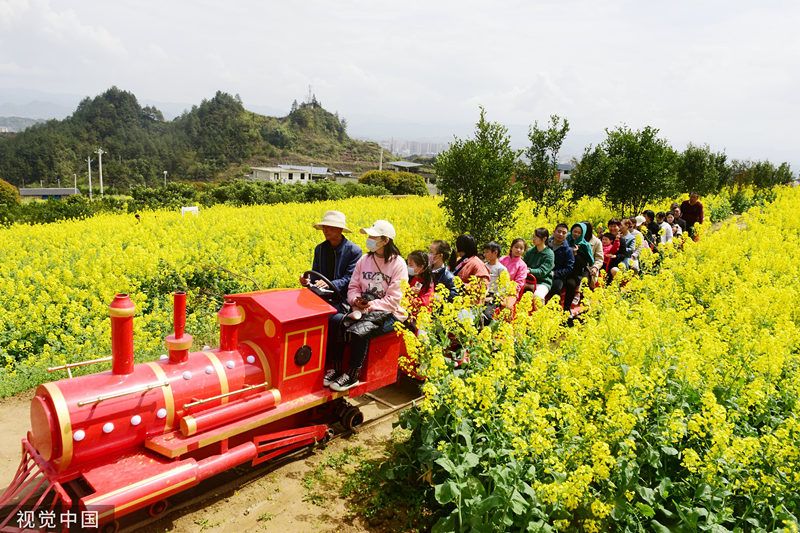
<point>673,406</point>
<point>57,279</point>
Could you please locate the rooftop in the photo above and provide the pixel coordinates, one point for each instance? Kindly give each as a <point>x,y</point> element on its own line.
<point>404,164</point>
<point>46,191</point>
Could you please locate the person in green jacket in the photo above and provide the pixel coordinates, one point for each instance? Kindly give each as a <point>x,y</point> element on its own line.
<point>540,260</point>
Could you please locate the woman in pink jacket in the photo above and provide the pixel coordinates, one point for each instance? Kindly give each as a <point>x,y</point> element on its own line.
<point>374,293</point>
<point>517,269</point>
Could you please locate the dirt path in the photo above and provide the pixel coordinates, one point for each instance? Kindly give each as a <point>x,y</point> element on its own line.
<point>14,423</point>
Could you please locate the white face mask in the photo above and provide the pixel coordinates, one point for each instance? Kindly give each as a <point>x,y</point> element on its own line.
<point>372,244</point>
<point>411,271</point>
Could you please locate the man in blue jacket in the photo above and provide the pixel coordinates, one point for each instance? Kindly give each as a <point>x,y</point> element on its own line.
<point>335,257</point>
<point>564,259</point>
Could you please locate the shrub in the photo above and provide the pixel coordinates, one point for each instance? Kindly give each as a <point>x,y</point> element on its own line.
<point>9,195</point>
<point>396,182</point>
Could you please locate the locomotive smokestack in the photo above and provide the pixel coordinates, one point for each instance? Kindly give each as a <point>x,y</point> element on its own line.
<point>121,311</point>
<point>229,319</point>
<point>179,313</point>
<point>178,343</point>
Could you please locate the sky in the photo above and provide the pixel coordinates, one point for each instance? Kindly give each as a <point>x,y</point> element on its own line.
<point>723,73</point>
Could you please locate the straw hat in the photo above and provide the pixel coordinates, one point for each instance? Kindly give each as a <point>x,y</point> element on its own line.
<point>334,219</point>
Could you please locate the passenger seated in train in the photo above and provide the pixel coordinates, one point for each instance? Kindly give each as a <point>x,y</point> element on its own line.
<point>374,293</point>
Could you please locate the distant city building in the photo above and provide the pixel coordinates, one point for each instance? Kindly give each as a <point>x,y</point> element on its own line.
<point>47,193</point>
<point>408,148</point>
<point>564,171</point>
<point>407,166</point>
<point>5,129</point>
<point>289,173</point>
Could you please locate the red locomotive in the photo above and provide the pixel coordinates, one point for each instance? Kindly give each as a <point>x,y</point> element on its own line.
<point>126,439</point>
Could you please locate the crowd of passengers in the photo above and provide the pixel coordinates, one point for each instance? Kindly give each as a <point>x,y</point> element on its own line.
<point>550,265</point>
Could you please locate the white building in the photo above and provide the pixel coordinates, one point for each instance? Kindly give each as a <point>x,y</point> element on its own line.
<point>289,173</point>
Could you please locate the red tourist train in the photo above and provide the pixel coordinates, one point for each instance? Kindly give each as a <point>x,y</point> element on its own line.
<point>118,441</point>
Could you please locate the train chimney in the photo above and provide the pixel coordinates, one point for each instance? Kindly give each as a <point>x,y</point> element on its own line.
<point>179,342</point>
<point>230,316</point>
<point>121,311</point>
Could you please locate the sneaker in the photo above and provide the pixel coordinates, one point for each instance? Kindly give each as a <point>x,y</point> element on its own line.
<point>328,379</point>
<point>343,383</point>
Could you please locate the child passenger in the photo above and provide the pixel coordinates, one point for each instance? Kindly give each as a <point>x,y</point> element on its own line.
<point>517,269</point>
<point>491,256</point>
<point>420,280</point>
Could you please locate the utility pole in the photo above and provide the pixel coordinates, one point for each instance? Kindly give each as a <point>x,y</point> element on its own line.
<point>100,153</point>
<point>380,165</point>
<point>75,182</point>
<point>89,165</point>
<point>165,178</point>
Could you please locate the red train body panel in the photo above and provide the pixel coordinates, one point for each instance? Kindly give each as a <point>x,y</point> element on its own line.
<point>124,439</point>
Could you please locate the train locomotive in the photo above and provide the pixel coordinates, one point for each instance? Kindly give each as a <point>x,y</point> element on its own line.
<point>126,439</point>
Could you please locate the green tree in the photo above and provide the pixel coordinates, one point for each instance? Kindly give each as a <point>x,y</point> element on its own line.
<point>698,170</point>
<point>634,169</point>
<point>396,182</point>
<point>9,195</point>
<point>475,177</point>
<point>539,177</point>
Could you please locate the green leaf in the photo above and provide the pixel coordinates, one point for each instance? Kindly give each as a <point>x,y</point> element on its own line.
<point>669,450</point>
<point>518,503</point>
<point>471,460</point>
<point>446,492</point>
<point>447,464</point>
<point>646,510</point>
<point>647,494</point>
<point>659,527</point>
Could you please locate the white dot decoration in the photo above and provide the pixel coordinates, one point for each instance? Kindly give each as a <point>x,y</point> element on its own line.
<point>164,357</point>
<point>206,347</point>
<point>79,435</point>
<point>230,364</point>
<point>209,369</point>
<point>136,420</point>
<point>187,375</point>
<point>108,427</point>
<point>161,413</point>
<point>251,359</point>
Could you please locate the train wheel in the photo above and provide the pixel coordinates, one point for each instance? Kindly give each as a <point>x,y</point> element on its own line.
<point>352,418</point>
<point>111,527</point>
<point>157,508</point>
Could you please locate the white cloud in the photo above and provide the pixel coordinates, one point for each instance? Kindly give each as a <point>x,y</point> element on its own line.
<point>722,72</point>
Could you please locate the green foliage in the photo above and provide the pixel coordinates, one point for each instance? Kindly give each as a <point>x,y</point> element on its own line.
<point>9,195</point>
<point>759,174</point>
<point>475,177</point>
<point>701,170</point>
<point>539,177</point>
<point>630,169</point>
<point>202,144</point>
<point>396,182</point>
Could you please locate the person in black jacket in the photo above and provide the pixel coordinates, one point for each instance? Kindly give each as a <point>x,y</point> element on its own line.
<point>564,259</point>
<point>335,257</point>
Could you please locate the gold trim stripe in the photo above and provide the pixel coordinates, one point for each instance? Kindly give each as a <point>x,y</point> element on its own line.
<point>182,344</point>
<point>150,496</point>
<point>268,418</point>
<point>303,372</point>
<point>223,377</point>
<point>64,423</point>
<point>169,400</point>
<point>230,321</point>
<point>121,312</point>
<point>176,471</point>
<point>264,362</point>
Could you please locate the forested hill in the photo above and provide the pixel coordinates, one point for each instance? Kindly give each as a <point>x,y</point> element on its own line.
<point>217,139</point>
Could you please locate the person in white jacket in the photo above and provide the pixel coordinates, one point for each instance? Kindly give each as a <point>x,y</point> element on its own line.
<point>374,293</point>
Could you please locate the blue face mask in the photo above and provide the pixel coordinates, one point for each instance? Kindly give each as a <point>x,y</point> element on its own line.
<point>372,244</point>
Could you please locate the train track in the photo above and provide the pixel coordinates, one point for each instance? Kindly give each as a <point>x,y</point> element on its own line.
<point>242,476</point>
